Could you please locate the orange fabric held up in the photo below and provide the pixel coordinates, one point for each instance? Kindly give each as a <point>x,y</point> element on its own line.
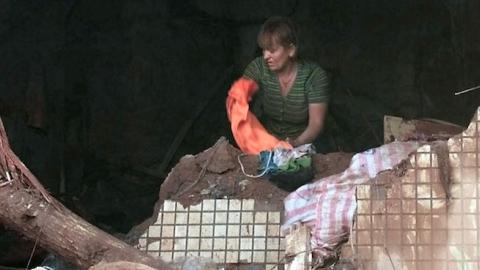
<point>249,133</point>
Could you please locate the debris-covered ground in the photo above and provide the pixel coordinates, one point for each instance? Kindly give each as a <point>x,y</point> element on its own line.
<point>216,173</point>
<point>189,182</point>
<point>213,173</point>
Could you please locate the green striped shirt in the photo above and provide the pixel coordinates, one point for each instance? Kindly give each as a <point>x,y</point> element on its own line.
<point>288,116</point>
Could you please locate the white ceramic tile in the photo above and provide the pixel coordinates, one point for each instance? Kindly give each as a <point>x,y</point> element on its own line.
<point>168,206</point>
<point>233,230</point>
<point>246,230</point>
<point>235,205</point>
<point>259,230</point>
<point>273,243</point>
<point>154,246</point>
<point>274,217</point>
<point>207,218</point>
<point>181,231</point>
<point>220,230</point>
<point>219,256</point>
<point>273,230</point>
<point>206,244</point>
<point>167,244</point>
<point>248,205</point>
<point>221,205</point>
<point>282,243</point>
<point>246,256</point>
<point>196,207</point>
<point>169,218</point>
<point>167,231</point>
<point>193,243</point>
<point>232,257</point>
<point>219,243</point>
<point>261,217</point>
<point>247,217</point>
<point>180,208</point>
<point>234,217</point>
<point>233,243</point>
<point>167,256</point>
<point>207,231</point>
<point>208,205</point>
<point>259,244</point>
<point>181,218</point>
<point>246,243</point>
<point>194,230</point>
<point>259,256</point>
<point>272,257</point>
<point>142,243</point>
<point>154,231</point>
<point>159,218</point>
<point>180,244</point>
<point>220,217</point>
<point>194,218</point>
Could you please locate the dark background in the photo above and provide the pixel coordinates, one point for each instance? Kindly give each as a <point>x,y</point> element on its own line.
<point>94,93</point>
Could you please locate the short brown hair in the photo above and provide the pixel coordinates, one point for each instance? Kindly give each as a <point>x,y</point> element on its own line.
<point>277,29</point>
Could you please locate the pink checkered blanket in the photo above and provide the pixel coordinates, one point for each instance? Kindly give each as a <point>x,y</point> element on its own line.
<point>328,205</point>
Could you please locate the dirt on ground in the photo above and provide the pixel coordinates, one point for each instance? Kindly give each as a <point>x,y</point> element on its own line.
<point>216,173</point>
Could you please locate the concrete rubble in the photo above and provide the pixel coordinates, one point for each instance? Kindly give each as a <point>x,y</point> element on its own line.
<point>420,216</point>
<point>411,222</point>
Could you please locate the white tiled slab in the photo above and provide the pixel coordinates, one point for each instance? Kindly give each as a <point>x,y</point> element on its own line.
<point>226,230</point>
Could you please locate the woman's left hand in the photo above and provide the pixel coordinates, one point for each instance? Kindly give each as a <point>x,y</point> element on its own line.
<point>291,142</point>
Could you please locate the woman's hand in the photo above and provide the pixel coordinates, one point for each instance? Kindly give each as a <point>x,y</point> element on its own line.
<point>316,118</point>
<point>292,142</point>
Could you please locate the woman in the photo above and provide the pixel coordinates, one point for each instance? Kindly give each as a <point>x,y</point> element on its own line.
<point>293,93</point>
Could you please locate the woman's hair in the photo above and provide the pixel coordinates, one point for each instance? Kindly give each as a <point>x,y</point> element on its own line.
<point>277,30</point>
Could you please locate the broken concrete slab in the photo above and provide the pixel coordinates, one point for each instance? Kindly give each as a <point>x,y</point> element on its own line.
<point>397,128</point>
<point>223,178</point>
<point>409,222</point>
<point>229,231</point>
<point>297,248</point>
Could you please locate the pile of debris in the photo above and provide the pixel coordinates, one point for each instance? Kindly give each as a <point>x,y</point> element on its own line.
<point>230,219</point>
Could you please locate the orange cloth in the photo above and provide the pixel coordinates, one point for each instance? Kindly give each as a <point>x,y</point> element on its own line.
<point>249,133</point>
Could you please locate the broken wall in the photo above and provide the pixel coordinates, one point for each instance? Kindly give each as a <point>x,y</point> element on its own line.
<point>427,218</point>
<point>227,231</point>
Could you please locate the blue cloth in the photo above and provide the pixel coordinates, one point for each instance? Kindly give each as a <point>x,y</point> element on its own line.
<point>269,167</point>
<point>266,162</point>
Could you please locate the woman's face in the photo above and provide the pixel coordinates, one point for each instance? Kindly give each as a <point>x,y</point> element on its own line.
<point>277,57</point>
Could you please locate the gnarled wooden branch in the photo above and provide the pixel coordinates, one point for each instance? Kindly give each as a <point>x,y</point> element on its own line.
<point>27,208</point>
